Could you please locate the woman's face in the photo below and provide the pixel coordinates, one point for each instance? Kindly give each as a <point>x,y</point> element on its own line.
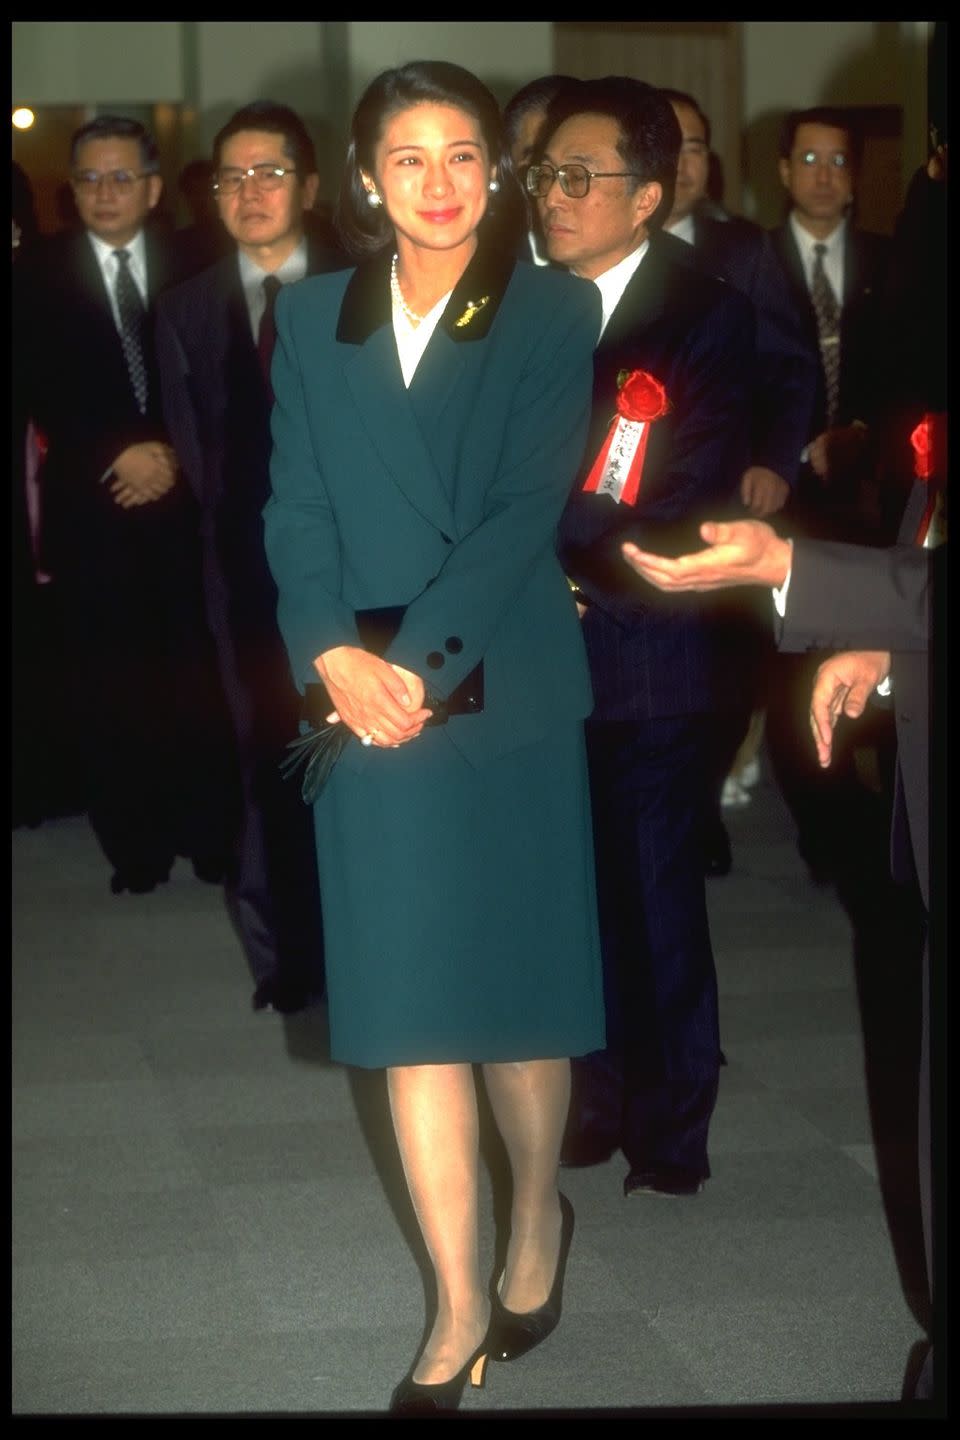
<point>432,171</point>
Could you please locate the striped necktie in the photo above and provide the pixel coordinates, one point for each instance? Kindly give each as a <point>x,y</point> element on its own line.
<point>131,310</point>
<point>827,311</point>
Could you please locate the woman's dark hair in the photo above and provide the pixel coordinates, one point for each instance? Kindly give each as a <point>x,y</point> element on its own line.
<point>650,135</point>
<point>365,230</point>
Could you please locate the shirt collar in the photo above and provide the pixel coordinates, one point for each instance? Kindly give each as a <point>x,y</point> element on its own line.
<point>805,241</point>
<point>614,281</point>
<point>684,230</point>
<point>135,248</point>
<point>293,268</point>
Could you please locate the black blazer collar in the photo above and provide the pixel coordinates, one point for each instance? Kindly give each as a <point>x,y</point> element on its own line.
<point>469,312</point>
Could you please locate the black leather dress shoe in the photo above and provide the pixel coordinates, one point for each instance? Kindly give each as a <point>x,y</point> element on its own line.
<point>138,882</point>
<point>286,997</point>
<point>670,1180</point>
<point>717,855</point>
<point>584,1149</point>
<point>211,869</point>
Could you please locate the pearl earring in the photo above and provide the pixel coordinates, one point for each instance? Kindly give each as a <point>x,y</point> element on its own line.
<point>373,199</point>
<point>494,186</point>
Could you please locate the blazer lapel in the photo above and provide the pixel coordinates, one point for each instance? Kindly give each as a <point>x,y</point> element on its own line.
<point>375,381</point>
<point>467,318</point>
<point>400,421</point>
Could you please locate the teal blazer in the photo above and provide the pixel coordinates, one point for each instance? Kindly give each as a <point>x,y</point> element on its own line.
<point>444,497</point>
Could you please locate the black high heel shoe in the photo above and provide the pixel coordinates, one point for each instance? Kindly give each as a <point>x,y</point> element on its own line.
<point>512,1334</point>
<point>411,1398</point>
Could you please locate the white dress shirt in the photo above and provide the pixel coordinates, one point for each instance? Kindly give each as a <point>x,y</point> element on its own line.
<point>683,230</point>
<point>252,278</point>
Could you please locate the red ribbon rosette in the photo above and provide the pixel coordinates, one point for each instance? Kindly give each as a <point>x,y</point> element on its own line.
<point>616,472</point>
<point>929,443</point>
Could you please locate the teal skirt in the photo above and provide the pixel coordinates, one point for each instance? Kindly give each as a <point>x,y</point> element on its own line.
<point>459,905</point>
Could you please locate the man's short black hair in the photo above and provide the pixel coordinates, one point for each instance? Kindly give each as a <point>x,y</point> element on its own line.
<point>536,95</point>
<point>118,127</point>
<point>833,115</point>
<point>650,135</point>
<point>682,97</point>
<point>275,119</point>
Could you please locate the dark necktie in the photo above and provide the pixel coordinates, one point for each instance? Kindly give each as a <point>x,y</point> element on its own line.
<point>267,332</point>
<point>827,312</point>
<point>131,310</point>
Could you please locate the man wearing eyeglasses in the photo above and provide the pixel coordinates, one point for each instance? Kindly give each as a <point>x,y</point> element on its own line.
<point>604,178</point>
<point>214,335</point>
<point>120,527</point>
<point>820,153</point>
<point>837,274</point>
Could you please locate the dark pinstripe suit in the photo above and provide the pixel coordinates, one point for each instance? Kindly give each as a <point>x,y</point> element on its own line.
<point>656,683</point>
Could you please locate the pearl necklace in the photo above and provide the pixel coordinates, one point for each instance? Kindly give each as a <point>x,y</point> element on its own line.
<point>397,295</point>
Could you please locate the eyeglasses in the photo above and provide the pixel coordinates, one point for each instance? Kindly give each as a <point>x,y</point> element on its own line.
<point>574,179</point>
<point>839,161</point>
<point>268,177</point>
<point>119,179</point>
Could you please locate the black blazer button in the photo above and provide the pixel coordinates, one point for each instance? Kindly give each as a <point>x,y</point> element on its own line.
<point>453,644</point>
<point>435,660</point>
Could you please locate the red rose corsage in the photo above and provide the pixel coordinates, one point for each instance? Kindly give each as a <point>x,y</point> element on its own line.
<point>617,470</point>
<point>929,443</point>
<point>928,440</point>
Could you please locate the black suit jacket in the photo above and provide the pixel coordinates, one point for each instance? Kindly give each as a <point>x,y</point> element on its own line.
<point>856,597</point>
<point>80,395</point>
<point>218,414</point>
<point>652,656</point>
<point>863,333</point>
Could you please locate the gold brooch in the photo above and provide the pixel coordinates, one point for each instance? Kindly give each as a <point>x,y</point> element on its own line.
<point>473,308</point>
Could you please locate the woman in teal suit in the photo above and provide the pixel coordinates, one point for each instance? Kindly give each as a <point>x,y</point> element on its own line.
<point>431,410</point>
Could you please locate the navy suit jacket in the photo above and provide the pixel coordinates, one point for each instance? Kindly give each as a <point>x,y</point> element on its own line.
<point>742,253</point>
<point>218,415</point>
<point>863,333</point>
<point>443,497</point>
<point>651,656</point>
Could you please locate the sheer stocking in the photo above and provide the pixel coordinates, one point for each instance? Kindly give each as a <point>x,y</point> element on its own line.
<point>434,1110</point>
<point>530,1100</point>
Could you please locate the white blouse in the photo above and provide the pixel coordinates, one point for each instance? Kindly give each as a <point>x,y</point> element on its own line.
<point>412,340</point>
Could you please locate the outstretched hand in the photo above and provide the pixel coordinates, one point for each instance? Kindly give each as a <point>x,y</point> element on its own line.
<point>740,552</point>
<point>842,686</point>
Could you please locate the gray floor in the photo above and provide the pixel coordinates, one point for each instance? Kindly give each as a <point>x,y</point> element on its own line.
<point>208,1221</point>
